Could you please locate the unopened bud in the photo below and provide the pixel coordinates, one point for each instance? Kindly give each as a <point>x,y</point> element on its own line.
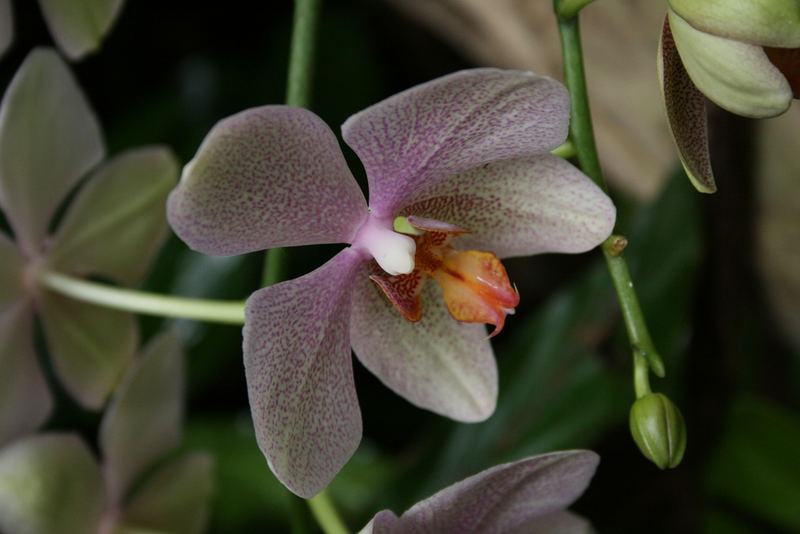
<point>658,429</point>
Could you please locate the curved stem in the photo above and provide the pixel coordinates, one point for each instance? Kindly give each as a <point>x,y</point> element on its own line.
<point>298,93</point>
<point>119,298</point>
<point>326,515</point>
<point>582,135</point>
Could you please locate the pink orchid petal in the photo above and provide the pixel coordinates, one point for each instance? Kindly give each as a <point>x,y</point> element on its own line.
<point>49,138</point>
<point>266,177</point>
<point>300,374</point>
<point>500,499</point>
<point>686,114</point>
<point>12,286</point>
<point>25,400</point>
<point>436,363</point>
<point>79,27</point>
<point>519,207</point>
<point>143,420</point>
<point>116,223</point>
<point>416,138</point>
<point>90,346</point>
<point>175,498</point>
<point>49,483</point>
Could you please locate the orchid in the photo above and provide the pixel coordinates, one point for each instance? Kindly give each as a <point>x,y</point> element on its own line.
<point>49,139</point>
<point>77,27</point>
<point>461,164</point>
<point>51,482</point>
<point>742,55</point>
<point>528,495</point>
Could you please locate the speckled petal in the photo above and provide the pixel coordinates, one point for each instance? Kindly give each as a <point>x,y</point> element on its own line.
<point>49,138</point>
<point>11,272</point>
<point>299,374</point>
<point>266,177</point>
<point>143,420</point>
<point>25,400</point>
<point>520,207</point>
<point>6,25</point>
<point>175,498</point>
<point>498,500</point>
<point>90,346</point>
<point>423,135</point>
<point>117,223</point>
<point>49,483</point>
<point>79,26</point>
<point>436,363</point>
<point>736,76</point>
<point>762,22</point>
<point>686,114</point>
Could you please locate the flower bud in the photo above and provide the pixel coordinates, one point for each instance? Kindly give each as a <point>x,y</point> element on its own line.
<point>658,429</point>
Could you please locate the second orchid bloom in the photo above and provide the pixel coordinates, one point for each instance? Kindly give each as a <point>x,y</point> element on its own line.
<point>459,175</point>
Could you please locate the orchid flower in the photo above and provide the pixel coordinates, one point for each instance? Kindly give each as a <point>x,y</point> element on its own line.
<point>52,483</point>
<point>77,27</point>
<point>744,55</point>
<point>459,175</point>
<point>528,496</point>
<point>49,139</point>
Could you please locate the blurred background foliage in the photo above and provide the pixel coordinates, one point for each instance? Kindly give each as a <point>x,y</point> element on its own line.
<point>170,70</point>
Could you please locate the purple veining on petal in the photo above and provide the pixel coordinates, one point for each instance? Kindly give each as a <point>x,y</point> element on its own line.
<point>300,376</point>
<point>686,114</point>
<point>427,133</point>
<point>437,363</point>
<point>266,177</point>
<point>504,497</point>
<point>520,207</point>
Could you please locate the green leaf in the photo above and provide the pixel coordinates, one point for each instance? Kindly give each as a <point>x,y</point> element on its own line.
<point>175,498</point>
<point>49,483</point>
<point>143,421</point>
<point>755,466</point>
<point>90,346</point>
<point>118,221</point>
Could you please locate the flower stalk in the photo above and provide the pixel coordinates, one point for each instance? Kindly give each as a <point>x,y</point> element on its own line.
<point>326,515</point>
<point>132,300</point>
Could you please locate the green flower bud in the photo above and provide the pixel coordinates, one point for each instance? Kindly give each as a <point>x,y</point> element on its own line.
<point>658,429</point>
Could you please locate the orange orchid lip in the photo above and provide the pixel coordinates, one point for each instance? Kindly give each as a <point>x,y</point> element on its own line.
<point>475,285</point>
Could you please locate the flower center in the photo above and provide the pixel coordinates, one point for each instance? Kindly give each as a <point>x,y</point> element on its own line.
<point>474,283</point>
<point>393,251</point>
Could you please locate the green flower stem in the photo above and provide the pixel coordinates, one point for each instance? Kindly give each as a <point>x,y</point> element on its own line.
<point>641,375</point>
<point>298,93</point>
<point>326,515</point>
<point>132,300</point>
<point>570,8</point>
<point>565,150</point>
<point>582,135</point>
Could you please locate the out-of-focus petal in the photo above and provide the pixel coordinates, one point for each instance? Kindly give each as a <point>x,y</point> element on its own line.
<point>436,363</point>
<point>49,483</point>
<point>562,522</point>
<point>761,22</point>
<point>12,287</point>
<point>79,27</point>
<point>686,114</point>
<point>49,138</point>
<point>416,138</point>
<point>117,222</point>
<point>175,498</point>
<point>266,177</point>
<point>734,75</point>
<point>6,25</point>
<point>143,421</point>
<point>500,499</point>
<point>90,346</point>
<point>300,374</point>
<point>25,401</point>
<point>520,207</point>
